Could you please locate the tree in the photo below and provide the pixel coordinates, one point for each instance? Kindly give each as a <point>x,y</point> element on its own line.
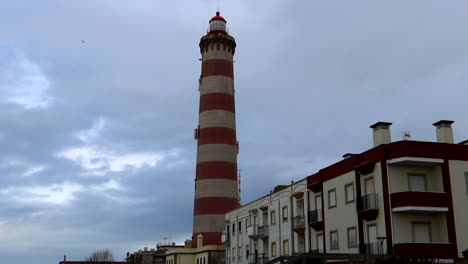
<point>100,256</point>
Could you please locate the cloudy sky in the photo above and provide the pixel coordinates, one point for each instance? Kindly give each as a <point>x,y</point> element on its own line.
<point>96,138</point>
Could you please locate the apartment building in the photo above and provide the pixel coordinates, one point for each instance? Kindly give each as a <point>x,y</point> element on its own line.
<point>269,227</point>
<point>405,198</point>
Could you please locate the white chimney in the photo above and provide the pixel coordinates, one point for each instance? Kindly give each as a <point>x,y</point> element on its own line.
<point>199,241</point>
<point>381,133</point>
<point>444,131</point>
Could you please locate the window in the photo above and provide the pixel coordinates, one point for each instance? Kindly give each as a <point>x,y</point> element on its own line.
<point>352,237</point>
<point>332,198</point>
<point>273,249</point>
<point>233,255</point>
<point>240,253</point>
<point>349,192</point>
<point>466,181</point>
<point>422,232</point>
<point>320,242</point>
<point>372,233</point>
<point>204,260</point>
<point>286,247</point>
<point>247,224</point>
<point>240,226</point>
<point>247,252</point>
<point>273,217</point>
<point>285,214</point>
<point>233,229</point>
<point>369,186</point>
<point>417,183</point>
<point>334,240</point>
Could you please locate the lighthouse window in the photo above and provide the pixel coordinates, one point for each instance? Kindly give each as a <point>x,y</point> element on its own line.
<point>466,181</point>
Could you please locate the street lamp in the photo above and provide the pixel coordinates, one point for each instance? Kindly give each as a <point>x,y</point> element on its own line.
<point>381,240</point>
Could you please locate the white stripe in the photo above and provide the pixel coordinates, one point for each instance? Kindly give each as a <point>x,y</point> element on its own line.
<point>217,152</point>
<point>217,118</point>
<point>217,84</point>
<point>216,188</point>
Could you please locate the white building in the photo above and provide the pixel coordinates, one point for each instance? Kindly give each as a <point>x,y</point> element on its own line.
<point>405,198</point>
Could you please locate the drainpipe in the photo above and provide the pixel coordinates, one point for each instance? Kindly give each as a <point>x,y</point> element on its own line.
<point>307,218</point>
<point>291,219</point>
<point>279,226</point>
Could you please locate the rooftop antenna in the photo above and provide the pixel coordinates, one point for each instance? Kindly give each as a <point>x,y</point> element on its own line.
<point>217,7</point>
<point>407,135</point>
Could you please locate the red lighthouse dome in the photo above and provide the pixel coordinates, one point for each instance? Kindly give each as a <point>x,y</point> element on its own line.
<point>218,24</point>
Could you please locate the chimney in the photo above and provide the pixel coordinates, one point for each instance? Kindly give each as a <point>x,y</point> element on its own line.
<point>199,241</point>
<point>444,131</point>
<point>381,133</point>
<point>347,155</point>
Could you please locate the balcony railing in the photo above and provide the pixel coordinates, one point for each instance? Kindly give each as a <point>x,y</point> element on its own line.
<point>252,231</point>
<point>427,250</point>
<point>316,251</point>
<point>257,259</point>
<point>428,200</point>
<point>367,202</point>
<point>374,248</point>
<point>368,206</point>
<point>225,240</point>
<point>299,222</point>
<point>263,231</point>
<point>315,216</point>
<point>315,219</point>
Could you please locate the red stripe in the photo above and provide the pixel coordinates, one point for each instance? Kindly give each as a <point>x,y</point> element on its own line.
<point>217,67</point>
<point>216,170</point>
<point>217,135</point>
<point>217,101</point>
<point>209,238</point>
<point>215,205</point>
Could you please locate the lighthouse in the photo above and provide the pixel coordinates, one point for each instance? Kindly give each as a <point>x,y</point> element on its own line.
<point>216,184</point>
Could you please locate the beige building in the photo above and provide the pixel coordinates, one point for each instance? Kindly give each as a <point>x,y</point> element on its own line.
<point>175,254</point>
<point>406,198</point>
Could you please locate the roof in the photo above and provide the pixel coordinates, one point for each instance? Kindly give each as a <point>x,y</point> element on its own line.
<point>217,17</point>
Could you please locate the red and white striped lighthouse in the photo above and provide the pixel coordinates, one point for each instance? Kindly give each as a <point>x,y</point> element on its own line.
<point>216,186</point>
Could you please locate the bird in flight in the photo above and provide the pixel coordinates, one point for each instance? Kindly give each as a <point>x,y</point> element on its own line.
<point>84,42</point>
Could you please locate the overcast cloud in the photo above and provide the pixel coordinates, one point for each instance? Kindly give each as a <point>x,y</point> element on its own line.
<point>99,99</point>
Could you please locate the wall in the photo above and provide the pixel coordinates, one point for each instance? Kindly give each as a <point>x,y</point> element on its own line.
<point>403,233</point>
<point>398,177</point>
<point>342,216</point>
<point>460,201</point>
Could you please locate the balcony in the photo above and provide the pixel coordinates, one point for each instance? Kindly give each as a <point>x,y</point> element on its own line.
<point>316,251</point>
<point>315,219</point>
<point>426,250</point>
<point>299,223</point>
<point>257,258</point>
<point>252,232</point>
<point>368,206</point>
<point>419,202</point>
<point>225,240</point>
<point>374,248</point>
<point>263,232</point>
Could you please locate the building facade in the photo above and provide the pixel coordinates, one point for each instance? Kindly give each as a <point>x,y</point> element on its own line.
<point>405,198</point>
